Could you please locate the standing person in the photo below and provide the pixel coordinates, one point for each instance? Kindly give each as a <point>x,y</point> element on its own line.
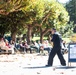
<point>56,40</point>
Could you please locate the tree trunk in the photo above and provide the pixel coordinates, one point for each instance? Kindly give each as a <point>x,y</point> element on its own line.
<point>13,32</point>
<point>29,35</point>
<point>13,36</point>
<point>41,35</point>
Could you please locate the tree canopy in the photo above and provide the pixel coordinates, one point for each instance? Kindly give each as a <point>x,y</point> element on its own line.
<point>71,8</point>
<point>32,14</point>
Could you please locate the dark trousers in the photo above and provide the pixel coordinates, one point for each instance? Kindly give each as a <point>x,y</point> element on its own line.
<point>28,49</point>
<point>25,49</point>
<point>52,54</point>
<point>48,49</point>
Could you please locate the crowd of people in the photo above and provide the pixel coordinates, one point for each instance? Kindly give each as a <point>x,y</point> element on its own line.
<point>6,46</point>
<point>10,45</point>
<point>57,44</point>
<point>37,46</point>
<point>13,46</point>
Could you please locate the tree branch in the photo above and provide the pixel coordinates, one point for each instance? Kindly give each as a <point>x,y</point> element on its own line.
<point>44,18</point>
<point>46,31</point>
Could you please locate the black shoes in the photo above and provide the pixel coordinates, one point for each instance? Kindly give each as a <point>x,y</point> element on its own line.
<point>48,65</point>
<point>63,64</point>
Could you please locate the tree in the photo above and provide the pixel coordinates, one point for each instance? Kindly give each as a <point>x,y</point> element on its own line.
<point>34,12</point>
<point>55,16</point>
<point>71,8</point>
<point>7,6</point>
<point>10,8</point>
<point>15,22</point>
<point>12,23</point>
<point>44,14</point>
<point>68,29</point>
<point>3,24</point>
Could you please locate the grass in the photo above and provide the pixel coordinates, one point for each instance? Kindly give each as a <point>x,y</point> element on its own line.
<point>66,39</point>
<point>38,38</point>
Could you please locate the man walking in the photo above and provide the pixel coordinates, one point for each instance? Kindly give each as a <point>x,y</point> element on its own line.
<point>56,40</point>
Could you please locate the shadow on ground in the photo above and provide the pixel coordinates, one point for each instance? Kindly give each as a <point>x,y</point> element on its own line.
<point>65,67</point>
<point>35,67</point>
<point>56,67</point>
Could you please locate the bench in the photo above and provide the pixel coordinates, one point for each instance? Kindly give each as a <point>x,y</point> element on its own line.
<point>4,51</point>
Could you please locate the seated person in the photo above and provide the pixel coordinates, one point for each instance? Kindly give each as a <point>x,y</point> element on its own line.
<point>12,45</point>
<point>18,45</point>
<point>27,47</point>
<point>9,46</point>
<point>4,45</point>
<point>46,46</point>
<point>24,46</point>
<point>35,46</point>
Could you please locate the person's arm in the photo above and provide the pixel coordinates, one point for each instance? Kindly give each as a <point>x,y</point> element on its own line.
<point>51,41</point>
<point>52,44</point>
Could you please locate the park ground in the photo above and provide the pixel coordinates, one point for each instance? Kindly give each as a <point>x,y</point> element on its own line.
<point>33,64</point>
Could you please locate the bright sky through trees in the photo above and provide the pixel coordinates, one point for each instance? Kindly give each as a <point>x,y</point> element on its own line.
<point>63,1</point>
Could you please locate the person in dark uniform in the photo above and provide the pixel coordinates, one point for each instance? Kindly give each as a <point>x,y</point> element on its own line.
<point>56,40</point>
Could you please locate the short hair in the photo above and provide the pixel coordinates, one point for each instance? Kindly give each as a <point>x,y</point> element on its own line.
<point>54,29</point>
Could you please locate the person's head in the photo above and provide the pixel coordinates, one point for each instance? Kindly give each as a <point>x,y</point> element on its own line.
<point>1,37</point>
<point>20,42</point>
<point>12,42</point>
<point>6,41</point>
<point>53,31</point>
<point>25,42</point>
